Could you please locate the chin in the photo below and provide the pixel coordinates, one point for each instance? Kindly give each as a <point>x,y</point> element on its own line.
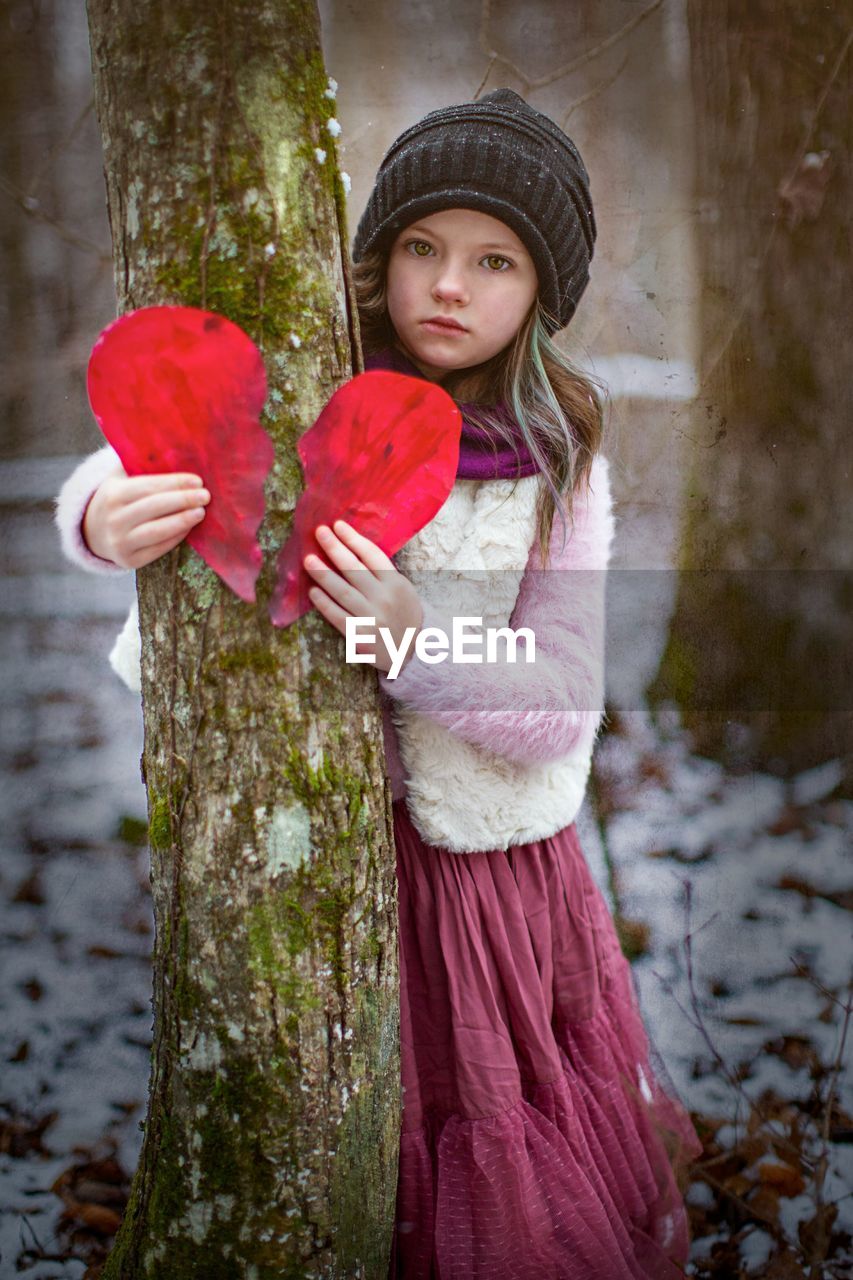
<point>441,357</point>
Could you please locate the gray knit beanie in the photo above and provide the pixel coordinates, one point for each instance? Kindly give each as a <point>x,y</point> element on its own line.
<point>501,156</point>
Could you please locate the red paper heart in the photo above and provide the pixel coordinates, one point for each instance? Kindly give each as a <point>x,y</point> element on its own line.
<point>383,456</point>
<point>179,389</point>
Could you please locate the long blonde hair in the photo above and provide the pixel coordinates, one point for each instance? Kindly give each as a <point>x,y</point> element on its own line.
<point>555,405</point>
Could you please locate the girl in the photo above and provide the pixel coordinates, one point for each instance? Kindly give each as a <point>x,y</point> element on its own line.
<point>537,1141</point>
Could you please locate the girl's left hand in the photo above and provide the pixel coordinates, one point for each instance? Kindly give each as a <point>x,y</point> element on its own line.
<point>368,585</point>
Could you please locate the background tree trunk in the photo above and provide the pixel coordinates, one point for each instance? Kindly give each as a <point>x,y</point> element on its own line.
<point>761,636</point>
<point>55,278</point>
<point>272,1135</point>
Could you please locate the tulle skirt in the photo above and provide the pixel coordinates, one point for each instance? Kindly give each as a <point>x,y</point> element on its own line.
<point>539,1141</point>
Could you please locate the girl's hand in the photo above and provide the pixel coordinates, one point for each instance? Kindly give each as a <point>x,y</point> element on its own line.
<point>368,585</point>
<point>132,520</point>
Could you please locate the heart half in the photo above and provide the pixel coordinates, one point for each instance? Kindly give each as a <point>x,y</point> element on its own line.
<point>383,456</point>
<point>181,389</point>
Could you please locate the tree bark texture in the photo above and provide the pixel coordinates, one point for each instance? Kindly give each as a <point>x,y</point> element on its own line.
<point>270,1147</point>
<point>762,626</point>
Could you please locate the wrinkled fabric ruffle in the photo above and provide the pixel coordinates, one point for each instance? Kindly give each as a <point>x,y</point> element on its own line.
<point>541,1138</point>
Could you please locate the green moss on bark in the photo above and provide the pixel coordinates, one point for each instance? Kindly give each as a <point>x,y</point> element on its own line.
<point>260,659</point>
<point>160,823</point>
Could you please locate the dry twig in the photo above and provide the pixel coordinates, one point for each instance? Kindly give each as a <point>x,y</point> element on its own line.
<point>540,82</point>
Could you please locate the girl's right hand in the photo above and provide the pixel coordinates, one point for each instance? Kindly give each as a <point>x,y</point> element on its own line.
<point>132,520</point>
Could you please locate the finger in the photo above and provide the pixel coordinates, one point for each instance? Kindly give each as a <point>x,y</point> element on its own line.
<point>347,560</point>
<point>154,506</point>
<point>332,612</point>
<point>138,486</point>
<point>341,590</point>
<point>148,554</point>
<point>372,555</point>
<point>155,531</point>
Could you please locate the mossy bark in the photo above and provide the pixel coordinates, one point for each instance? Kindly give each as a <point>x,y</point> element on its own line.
<point>758,658</point>
<point>271,1141</point>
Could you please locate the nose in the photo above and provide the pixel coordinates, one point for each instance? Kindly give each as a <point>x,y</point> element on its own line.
<point>450,284</point>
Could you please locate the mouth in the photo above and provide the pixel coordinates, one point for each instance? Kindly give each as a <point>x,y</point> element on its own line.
<point>443,324</point>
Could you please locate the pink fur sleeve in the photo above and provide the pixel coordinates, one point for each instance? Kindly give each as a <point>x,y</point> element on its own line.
<point>71,507</point>
<point>538,712</point>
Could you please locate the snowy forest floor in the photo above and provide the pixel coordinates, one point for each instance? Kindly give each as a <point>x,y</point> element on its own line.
<point>732,893</point>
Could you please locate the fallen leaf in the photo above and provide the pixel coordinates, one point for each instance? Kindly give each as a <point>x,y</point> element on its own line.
<point>815,1232</point>
<point>754,1146</point>
<point>96,1217</point>
<point>791,818</point>
<point>94,1193</point>
<point>651,769</point>
<point>798,884</point>
<point>20,1133</point>
<point>30,890</point>
<point>784,1266</point>
<point>764,1203</point>
<point>634,936</point>
<point>795,1051</point>
<point>738,1184</point>
<point>786,1180</point>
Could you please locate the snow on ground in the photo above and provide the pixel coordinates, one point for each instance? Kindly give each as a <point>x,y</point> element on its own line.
<point>75,917</point>
<point>770,880</point>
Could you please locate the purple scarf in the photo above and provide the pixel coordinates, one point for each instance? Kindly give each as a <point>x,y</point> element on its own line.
<point>477,460</point>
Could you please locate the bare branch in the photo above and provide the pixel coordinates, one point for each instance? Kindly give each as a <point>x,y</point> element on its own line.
<point>821,1241</point>
<point>595,91</point>
<point>482,83</point>
<point>31,206</point>
<point>698,1021</point>
<point>819,986</point>
<point>52,152</point>
<point>772,1227</point>
<point>539,82</point>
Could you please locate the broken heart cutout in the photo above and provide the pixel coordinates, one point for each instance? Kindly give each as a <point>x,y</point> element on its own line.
<point>383,456</point>
<point>181,389</point>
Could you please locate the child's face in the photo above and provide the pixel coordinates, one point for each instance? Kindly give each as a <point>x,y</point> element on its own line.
<point>463,265</point>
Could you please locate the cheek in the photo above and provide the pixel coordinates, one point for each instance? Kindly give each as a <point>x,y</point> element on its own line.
<point>522,300</point>
<point>398,295</point>
<point>511,313</point>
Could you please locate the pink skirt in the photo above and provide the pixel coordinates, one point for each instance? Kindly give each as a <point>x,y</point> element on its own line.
<point>538,1141</point>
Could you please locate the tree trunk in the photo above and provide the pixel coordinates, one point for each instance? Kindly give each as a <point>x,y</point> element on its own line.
<point>761,637</point>
<point>271,1141</point>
